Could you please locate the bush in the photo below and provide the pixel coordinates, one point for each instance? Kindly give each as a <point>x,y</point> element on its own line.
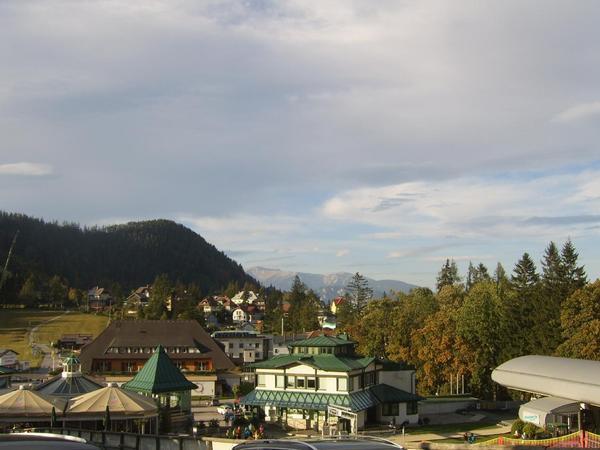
<point>531,430</point>
<point>517,427</point>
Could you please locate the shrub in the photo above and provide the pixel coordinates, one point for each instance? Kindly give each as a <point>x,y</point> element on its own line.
<point>517,427</point>
<point>531,430</point>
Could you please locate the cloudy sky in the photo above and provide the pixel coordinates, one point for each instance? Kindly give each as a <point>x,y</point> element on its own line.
<point>321,136</point>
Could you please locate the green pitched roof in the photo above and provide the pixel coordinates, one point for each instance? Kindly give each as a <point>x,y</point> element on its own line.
<point>322,341</point>
<point>159,375</point>
<point>331,363</point>
<point>356,401</point>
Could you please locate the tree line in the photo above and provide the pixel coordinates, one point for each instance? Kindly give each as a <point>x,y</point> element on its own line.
<point>471,325</point>
<point>49,257</point>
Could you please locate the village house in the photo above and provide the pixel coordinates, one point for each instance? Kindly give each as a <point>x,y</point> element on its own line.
<point>243,347</point>
<point>121,350</point>
<point>335,304</point>
<point>98,299</point>
<point>323,382</point>
<point>248,297</point>
<point>8,358</point>
<point>240,314</point>
<point>210,305</point>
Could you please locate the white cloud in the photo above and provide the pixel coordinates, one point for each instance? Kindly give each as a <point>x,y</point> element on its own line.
<point>26,169</point>
<point>342,252</point>
<point>471,207</point>
<point>578,112</point>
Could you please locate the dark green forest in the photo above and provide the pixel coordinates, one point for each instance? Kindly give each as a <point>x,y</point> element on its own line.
<point>118,257</point>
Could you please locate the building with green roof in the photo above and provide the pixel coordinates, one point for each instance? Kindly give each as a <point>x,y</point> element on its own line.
<point>160,379</point>
<point>323,383</point>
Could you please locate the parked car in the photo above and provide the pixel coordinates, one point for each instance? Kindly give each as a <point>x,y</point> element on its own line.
<point>362,443</point>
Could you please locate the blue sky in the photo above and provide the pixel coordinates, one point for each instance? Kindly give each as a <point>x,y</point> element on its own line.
<point>379,137</point>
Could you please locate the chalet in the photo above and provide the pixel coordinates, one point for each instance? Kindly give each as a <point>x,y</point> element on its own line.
<point>240,314</point>
<point>210,305</point>
<point>98,299</point>
<point>74,341</point>
<point>243,347</point>
<point>8,358</point>
<point>324,383</point>
<point>244,297</point>
<point>121,350</point>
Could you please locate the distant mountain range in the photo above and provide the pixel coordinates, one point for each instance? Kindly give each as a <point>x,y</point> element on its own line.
<point>327,286</point>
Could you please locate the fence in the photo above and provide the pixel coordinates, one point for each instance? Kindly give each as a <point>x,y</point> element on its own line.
<point>130,441</point>
<point>580,439</point>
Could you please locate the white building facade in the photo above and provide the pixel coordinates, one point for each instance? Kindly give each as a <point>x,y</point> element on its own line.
<point>322,383</point>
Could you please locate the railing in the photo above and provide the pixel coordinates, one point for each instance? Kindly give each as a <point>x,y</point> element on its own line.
<point>580,439</point>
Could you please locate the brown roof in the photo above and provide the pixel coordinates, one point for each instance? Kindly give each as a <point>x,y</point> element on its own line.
<point>151,333</point>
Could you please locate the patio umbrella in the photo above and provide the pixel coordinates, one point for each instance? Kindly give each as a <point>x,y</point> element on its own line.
<point>107,419</point>
<point>53,418</point>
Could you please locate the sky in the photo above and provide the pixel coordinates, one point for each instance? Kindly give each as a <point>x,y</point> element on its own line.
<point>318,136</point>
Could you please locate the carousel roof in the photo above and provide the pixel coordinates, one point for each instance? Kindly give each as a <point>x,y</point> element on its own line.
<point>68,386</point>
<point>117,400</point>
<point>27,403</point>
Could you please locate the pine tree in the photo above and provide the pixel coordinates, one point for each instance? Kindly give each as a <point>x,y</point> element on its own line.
<point>501,280</point>
<point>470,275</point>
<point>574,276</point>
<point>524,275</point>
<point>553,294</point>
<point>359,292</point>
<point>448,275</point>
<point>161,291</point>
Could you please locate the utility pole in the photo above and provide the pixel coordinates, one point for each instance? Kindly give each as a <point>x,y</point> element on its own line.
<point>4,274</point>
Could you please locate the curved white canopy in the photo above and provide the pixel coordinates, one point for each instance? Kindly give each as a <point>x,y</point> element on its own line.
<point>573,379</point>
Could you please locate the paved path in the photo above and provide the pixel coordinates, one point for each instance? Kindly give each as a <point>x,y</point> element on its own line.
<point>44,349</point>
<point>411,439</point>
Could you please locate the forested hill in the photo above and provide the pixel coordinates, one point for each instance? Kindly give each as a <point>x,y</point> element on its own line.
<point>131,255</point>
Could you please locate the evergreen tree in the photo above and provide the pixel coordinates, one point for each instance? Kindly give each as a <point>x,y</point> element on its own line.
<point>501,280</point>
<point>524,274</point>
<point>481,274</point>
<point>448,275</point>
<point>359,292</point>
<point>552,295</point>
<point>470,276</point>
<point>574,276</point>
<point>161,293</point>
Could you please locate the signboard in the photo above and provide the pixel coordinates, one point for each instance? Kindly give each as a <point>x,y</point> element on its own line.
<point>337,412</point>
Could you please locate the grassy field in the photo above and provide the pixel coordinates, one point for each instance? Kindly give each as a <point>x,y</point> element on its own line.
<point>16,324</point>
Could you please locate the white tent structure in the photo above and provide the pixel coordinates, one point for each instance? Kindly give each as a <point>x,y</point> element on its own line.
<point>547,411</point>
<point>121,404</point>
<point>577,380</point>
<point>25,405</point>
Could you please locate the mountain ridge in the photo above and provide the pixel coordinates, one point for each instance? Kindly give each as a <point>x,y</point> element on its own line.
<point>327,286</point>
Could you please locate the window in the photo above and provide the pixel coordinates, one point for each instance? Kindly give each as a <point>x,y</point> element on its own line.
<point>369,378</point>
<point>261,380</point>
<point>201,366</point>
<point>291,382</point>
<point>412,408</point>
<point>300,382</point>
<point>350,383</point>
<point>360,381</point>
<point>279,381</point>
<point>342,384</point>
<point>241,345</point>
<point>257,354</point>
<point>311,382</point>
<point>390,409</point>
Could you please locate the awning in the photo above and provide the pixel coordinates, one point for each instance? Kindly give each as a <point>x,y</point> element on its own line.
<point>541,411</point>
<point>355,401</point>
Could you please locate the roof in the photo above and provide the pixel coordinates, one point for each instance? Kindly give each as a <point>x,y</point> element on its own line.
<point>573,379</point>
<point>68,387</point>
<point>152,333</point>
<point>6,370</point>
<point>4,351</point>
<point>331,363</point>
<point>159,375</point>
<point>118,401</point>
<point>356,401</point>
<point>537,410</point>
<point>322,341</point>
<point>26,403</point>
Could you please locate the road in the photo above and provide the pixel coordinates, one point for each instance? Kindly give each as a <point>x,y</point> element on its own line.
<point>42,348</point>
